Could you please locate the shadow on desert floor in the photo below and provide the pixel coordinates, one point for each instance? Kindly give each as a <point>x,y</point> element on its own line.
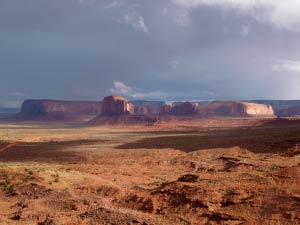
<point>53,151</point>
<point>262,139</point>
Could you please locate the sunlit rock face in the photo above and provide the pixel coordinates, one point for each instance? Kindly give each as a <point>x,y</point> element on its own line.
<point>253,109</point>
<point>130,108</point>
<point>115,106</point>
<point>235,109</point>
<point>282,107</point>
<point>40,108</point>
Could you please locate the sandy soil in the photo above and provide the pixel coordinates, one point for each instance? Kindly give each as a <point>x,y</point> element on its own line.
<point>210,171</point>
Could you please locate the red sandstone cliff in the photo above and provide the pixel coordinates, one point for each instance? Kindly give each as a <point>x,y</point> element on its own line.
<point>116,106</point>
<point>32,109</point>
<point>235,109</point>
<point>184,109</point>
<point>119,106</point>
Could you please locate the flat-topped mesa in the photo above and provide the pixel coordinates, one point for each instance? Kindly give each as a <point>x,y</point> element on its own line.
<point>184,109</point>
<point>116,106</point>
<point>282,107</point>
<point>254,109</point>
<point>147,108</point>
<point>53,109</point>
<point>235,109</point>
<point>180,109</point>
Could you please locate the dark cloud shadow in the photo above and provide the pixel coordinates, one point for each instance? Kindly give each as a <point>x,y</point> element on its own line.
<point>268,138</point>
<point>49,152</point>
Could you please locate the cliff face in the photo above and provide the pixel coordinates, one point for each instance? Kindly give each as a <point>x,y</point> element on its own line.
<point>224,108</point>
<point>130,108</point>
<point>283,107</point>
<point>253,109</point>
<point>44,108</point>
<point>235,109</point>
<point>218,108</point>
<point>183,109</point>
<point>147,107</point>
<point>118,106</point>
<point>115,106</point>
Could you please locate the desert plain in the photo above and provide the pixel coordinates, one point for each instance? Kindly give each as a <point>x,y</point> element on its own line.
<point>188,171</point>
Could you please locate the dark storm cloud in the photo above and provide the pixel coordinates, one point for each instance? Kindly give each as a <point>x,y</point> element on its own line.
<point>171,49</point>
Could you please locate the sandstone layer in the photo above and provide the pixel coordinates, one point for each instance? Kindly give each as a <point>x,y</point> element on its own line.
<point>235,109</point>
<point>115,105</point>
<point>147,108</point>
<point>119,106</point>
<point>184,108</point>
<point>50,108</point>
<point>282,107</point>
<point>253,109</point>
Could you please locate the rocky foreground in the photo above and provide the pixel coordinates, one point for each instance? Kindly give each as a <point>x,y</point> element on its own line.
<point>229,171</point>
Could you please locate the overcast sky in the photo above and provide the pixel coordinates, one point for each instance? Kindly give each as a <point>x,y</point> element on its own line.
<point>142,49</point>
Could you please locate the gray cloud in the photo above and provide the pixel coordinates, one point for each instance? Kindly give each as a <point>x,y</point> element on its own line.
<point>287,66</point>
<point>166,49</point>
<point>136,21</point>
<point>119,88</point>
<point>284,14</point>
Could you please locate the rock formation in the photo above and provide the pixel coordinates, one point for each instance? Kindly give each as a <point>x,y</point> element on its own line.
<point>165,109</point>
<point>141,110</point>
<point>116,110</point>
<point>116,106</point>
<point>147,108</point>
<point>235,109</point>
<point>253,109</point>
<point>50,108</point>
<point>130,108</point>
<point>282,107</point>
<point>119,106</point>
<point>290,111</point>
<point>179,109</point>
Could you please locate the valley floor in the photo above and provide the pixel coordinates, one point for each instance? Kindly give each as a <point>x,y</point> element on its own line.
<point>209,171</point>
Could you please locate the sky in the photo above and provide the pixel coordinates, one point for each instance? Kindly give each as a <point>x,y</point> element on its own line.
<point>155,50</point>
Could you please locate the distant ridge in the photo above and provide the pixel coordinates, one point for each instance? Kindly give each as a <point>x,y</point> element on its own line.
<point>148,111</point>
